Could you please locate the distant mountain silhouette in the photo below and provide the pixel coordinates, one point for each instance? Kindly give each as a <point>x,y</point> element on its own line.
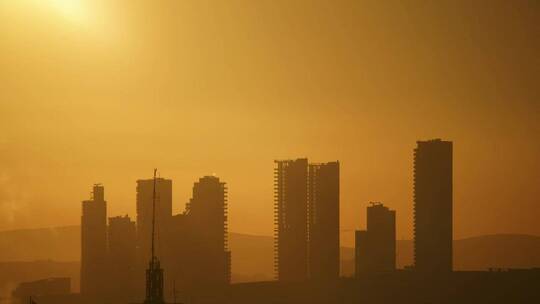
<point>59,244</point>
<point>252,255</point>
<point>475,253</point>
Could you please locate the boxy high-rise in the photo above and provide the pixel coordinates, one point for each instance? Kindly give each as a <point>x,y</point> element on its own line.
<point>375,248</point>
<point>122,255</point>
<point>306,220</point>
<point>433,206</point>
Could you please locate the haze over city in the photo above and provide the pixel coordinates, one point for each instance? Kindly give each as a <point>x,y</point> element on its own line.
<point>308,151</point>
<point>100,91</point>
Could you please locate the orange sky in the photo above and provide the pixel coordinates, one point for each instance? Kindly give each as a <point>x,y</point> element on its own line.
<point>104,91</point>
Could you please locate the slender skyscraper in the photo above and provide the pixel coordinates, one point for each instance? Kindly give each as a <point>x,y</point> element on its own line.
<point>323,225</point>
<point>291,217</point>
<point>207,217</point>
<point>94,242</point>
<point>433,206</point>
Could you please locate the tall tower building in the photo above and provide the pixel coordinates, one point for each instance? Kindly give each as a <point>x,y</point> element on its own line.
<point>163,211</point>
<point>433,206</point>
<point>207,217</point>
<point>291,219</point>
<point>122,248</point>
<point>93,242</point>
<point>375,248</point>
<point>323,224</point>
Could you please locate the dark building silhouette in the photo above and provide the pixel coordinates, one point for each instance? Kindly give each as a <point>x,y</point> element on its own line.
<point>94,242</point>
<point>307,220</point>
<point>291,217</point>
<point>163,215</point>
<point>433,206</point>
<point>381,227</point>
<point>375,248</point>
<point>323,225</point>
<point>182,271</point>
<point>207,215</point>
<point>203,260</point>
<point>403,287</point>
<point>122,255</point>
<point>192,246</point>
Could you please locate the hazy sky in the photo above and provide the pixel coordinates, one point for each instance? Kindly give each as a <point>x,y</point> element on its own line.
<point>104,91</point>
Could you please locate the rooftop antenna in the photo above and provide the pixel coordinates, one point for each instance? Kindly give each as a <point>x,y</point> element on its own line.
<point>153,214</point>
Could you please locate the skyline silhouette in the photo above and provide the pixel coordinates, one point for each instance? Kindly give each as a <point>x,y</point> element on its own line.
<point>310,151</point>
<point>360,82</point>
<point>194,244</point>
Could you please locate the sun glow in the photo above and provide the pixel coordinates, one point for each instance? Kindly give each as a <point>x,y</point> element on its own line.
<point>73,10</point>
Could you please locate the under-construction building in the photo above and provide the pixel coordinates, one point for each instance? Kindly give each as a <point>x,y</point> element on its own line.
<point>323,224</point>
<point>94,243</point>
<point>306,220</point>
<point>291,217</point>
<point>433,206</point>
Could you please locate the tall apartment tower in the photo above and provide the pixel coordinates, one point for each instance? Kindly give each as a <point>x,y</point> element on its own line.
<point>144,217</point>
<point>375,248</point>
<point>307,220</point>
<point>122,239</point>
<point>433,206</point>
<point>93,242</point>
<point>207,219</point>
<point>291,219</point>
<point>323,224</point>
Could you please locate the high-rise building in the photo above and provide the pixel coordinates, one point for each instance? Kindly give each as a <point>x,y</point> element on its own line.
<point>94,242</point>
<point>323,224</point>
<point>207,218</point>
<point>163,214</point>
<point>433,206</point>
<point>381,227</point>
<point>202,258</point>
<point>375,248</point>
<point>307,220</point>
<point>122,255</point>
<point>291,219</point>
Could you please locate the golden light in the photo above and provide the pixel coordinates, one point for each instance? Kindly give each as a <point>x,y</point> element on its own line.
<point>73,10</point>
